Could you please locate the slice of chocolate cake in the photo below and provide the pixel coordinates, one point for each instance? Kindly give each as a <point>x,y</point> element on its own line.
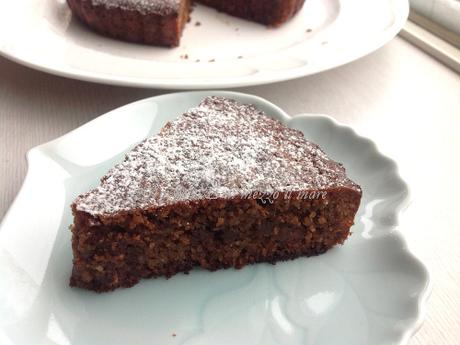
<point>154,22</point>
<point>221,186</point>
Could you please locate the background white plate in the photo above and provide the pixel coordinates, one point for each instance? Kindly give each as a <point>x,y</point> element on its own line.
<point>371,291</point>
<point>44,35</point>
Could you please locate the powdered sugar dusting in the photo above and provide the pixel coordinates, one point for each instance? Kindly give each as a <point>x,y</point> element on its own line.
<point>220,149</point>
<point>162,7</point>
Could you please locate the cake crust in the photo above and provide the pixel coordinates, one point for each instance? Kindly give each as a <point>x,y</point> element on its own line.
<point>221,186</point>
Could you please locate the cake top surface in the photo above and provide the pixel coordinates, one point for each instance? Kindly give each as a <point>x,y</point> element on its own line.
<point>160,7</point>
<point>220,149</point>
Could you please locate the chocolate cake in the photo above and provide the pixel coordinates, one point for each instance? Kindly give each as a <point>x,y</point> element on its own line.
<point>154,22</point>
<point>268,12</point>
<point>221,186</point>
<point>160,22</point>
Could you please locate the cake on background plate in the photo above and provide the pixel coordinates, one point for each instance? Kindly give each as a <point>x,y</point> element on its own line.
<point>221,186</point>
<point>160,22</point>
<point>154,22</point>
<point>268,12</point>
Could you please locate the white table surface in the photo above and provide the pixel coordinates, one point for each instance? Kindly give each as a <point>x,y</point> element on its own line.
<point>408,103</point>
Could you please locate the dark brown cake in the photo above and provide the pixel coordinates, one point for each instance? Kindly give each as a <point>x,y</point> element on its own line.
<point>161,22</point>
<point>221,186</point>
<point>154,22</point>
<point>268,12</point>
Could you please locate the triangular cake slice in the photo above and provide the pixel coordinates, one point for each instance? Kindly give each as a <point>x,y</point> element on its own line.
<point>221,186</point>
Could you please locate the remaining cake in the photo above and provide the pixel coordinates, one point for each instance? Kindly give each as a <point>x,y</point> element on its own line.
<point>161,22</point>
<point>268,12</point>
<point>221,186</point>
<point>155,22</point>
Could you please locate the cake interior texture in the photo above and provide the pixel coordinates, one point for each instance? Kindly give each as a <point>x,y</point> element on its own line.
<point>222,186</point>
<point>212,235</point>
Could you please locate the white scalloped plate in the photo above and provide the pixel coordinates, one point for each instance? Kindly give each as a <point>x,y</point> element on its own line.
<point>42,34</point>
<point>371,291</point>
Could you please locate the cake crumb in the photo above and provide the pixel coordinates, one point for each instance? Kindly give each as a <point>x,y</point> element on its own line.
<point>174,334</point>
<point>240,57</point>
<point>197,23</point>
<point>212,60</point>
<point>309,30</point>
<point>184,57</point>
<point>197,60</point>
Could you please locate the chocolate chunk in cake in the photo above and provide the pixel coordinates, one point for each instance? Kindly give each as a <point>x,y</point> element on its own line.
<point>221,186</point>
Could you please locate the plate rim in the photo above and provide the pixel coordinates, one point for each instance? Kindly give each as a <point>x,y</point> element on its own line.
<point>424,294</point>
<point>226,82</point>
